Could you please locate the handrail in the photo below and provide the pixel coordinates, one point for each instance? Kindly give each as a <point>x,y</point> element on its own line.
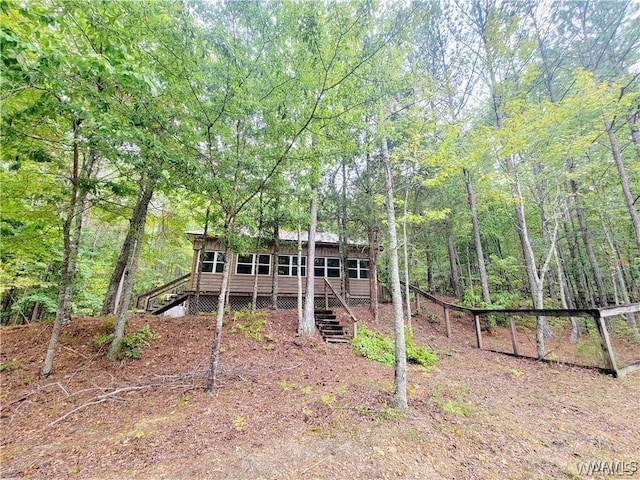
<point>344,304</point>
<point>534,312</point>
<point>598,315</point>
<point>154,292</point>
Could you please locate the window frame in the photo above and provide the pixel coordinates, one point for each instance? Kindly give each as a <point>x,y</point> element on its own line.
<point>256,266</point>
<point>358,269</point>
<point>326,268</point>
<point>217,263</point>
<point>291,267</point>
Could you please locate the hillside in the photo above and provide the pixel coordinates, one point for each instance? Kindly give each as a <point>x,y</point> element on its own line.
<point>288,408</point>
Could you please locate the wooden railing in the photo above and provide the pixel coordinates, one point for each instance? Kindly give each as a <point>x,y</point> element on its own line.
<point>145,300</point>
<point>345,305</point>
<point>598,314</point>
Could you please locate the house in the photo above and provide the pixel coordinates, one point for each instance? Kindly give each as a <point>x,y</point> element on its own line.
<point>259,268</point>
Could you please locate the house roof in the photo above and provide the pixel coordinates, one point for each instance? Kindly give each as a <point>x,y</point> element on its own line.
<point>285,236</point>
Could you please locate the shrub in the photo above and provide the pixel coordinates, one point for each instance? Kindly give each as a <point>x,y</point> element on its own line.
<point>132,343</point>
<point>381,348</point>
<point>250,324</point>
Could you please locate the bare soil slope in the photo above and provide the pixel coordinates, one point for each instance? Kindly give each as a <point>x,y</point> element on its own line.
<point>287,408</point>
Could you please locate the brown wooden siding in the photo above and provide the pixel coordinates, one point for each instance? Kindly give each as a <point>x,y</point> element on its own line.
<point>287,285</point>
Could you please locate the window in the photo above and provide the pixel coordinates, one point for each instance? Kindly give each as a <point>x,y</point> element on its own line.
<point>249,264</point>
<point>288,265</point>
<point>358,268</point>
<point>212,262</point>
<point>326,267</point>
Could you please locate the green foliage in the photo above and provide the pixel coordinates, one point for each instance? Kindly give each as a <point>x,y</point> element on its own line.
<point>132,343</point>
<point>374,346</point>
<point>380,348</point>
<point>8,366</point>
<point>418,355</point>
<point>250,324</point>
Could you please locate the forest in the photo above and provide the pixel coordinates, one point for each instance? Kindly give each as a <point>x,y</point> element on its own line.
<point>492,145</point>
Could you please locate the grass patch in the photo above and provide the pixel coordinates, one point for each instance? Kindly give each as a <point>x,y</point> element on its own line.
<point>250,324</point>
<point>8,366</point>
<point>131,344</point>
<point>381,348</point>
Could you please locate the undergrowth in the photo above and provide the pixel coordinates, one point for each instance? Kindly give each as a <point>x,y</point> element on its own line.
<point>381,348</point>
<point>250,324</point>
<point>132,343</point>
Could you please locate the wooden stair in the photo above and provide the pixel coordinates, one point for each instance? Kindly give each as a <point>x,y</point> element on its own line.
<point>172,300</point>
<point>330,328</point>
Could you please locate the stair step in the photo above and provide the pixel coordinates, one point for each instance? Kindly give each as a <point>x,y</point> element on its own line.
<point>329,316</point>
<point>327,321</point>
<point>337,340</point>
<point>331,328</point>
<point>319,311</point>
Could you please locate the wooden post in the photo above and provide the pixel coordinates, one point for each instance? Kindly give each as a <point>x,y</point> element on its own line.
<point>355,329</point>
<point>476,320</point>
<point>514,340</point>
<point>605,342</point>
<point>447,323</point>
<point>326,295</point>
<point>417,301</point>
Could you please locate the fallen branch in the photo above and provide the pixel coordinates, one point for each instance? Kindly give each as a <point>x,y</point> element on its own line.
<point>76,352</point>
<point>313,466</point>
<point>99,399</point>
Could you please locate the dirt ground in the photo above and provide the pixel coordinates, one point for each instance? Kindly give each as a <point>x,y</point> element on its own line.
<point>287,408</point>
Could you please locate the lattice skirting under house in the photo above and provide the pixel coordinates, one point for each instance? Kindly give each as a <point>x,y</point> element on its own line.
<point>209,303</point>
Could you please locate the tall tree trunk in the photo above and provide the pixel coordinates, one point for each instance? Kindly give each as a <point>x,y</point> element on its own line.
<point>624,180</point>
<point>400,377</point>
<point>275,277</point>
<point>454,275</point>
<point>535,279</point>
<point>254,296</point>
<point>471,198</point>
<point>222,298</point>
<point>635,131</point>
<point>138,217</point>
<point>591,254</point>
<point>299,275</point>
<point>306,325</point>
<point>405,251</point>
<point>430,282</point>
<point>565,295</point>
<point>137,227</point>
<point>342,219</point>
<point>372,239</point>
<point>71,230</point>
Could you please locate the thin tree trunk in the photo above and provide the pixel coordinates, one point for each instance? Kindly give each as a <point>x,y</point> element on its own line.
<point>372,238</point>
<point>535,280</point>
<point>405,251</point>
<point>306,327</point>
<point>127,289</point>
<point>217,335</point>
<point>471,197</point>
<point>73,221</point>
<point>635,131</point>
<point>565,298</point>
<point>454,275</point>
<point>591,254</point>
<point>299,275</point>
<point>344,254</point>
<point>275,277</point>
<point>400,377</point>
<point>624,180</point>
